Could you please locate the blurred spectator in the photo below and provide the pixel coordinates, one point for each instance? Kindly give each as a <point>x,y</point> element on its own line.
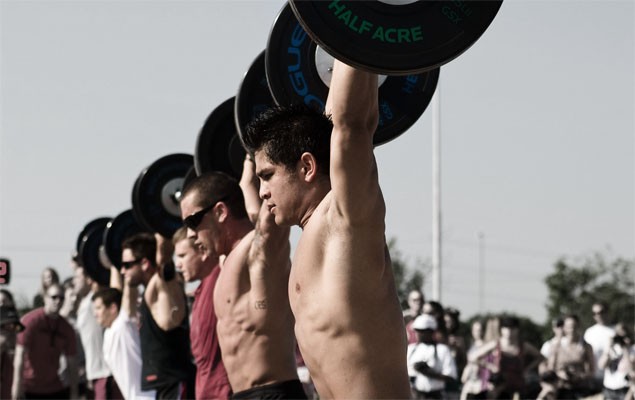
<point>571,365</point>
<point>492,329</point>
<point>548,378</point>
<point>69,312</point>
<point>46,336</point>
<point>598,336</point>
<point>415,307</point>
<point>10,325</point>
<point>475,375</point>
<point>430,364</point>
<point>69,308</point>
<point>435,309</point>
<point>458,349</point>
<point>556,327</point>
<point>6,298</point>
<point>513,359</point>
<point>49,277</point>
<point>617,362</point>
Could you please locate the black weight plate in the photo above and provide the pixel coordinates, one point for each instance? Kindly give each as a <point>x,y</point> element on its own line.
<point>396,39</point>
<point>117,230</point>
<point>294,77</point>
<point>189,177</point>
<point>253,96</point>
<point>155,194</point>
<point>89,255</point>
<point>88,227</point>
<point>218,147</point>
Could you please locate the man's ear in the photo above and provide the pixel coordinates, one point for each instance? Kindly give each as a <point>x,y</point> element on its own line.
<point>308,167</point>
<point>221,212</point>
<point>146,264</point>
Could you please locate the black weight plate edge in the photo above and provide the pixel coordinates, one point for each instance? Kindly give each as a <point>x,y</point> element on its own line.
<point>88,227</point>
<point>216,145</point>
<point>136,202</point>
<point>117,230</point>
<point>189,176</point>
<point>287,34</point>
<point>215,120</point>
<point>380,58</point>
<point>161,222</point>
<point>253,96</point>
<point>280,39</point>
<point>413,104</point>
<point>89,255</point>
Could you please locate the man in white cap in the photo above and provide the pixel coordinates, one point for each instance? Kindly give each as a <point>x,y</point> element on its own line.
<point>430,364</point>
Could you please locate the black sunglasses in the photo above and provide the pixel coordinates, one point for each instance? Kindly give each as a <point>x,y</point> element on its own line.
<point>130,264</point>
<point>56,297</point>
<point>194,220</point>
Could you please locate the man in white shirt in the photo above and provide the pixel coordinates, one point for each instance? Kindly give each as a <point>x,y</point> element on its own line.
<point>92,335</point>
<point>598,336</point>
<point>122,347</point>
<point>430,364</point>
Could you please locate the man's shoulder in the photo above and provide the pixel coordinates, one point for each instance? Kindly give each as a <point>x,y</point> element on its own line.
<point>598,330</point>
<point>33,317</point>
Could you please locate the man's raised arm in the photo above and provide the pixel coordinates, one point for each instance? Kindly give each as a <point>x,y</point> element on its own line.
<point>353,105</point>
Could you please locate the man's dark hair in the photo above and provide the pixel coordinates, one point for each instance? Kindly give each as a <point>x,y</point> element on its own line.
<point>284,133</point>
<point>142,245</point>
<point>214,186</point>
<point>109,296</point>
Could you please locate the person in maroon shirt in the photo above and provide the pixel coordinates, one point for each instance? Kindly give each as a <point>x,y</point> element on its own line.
<point>195,265</point>
<point>46,336</point>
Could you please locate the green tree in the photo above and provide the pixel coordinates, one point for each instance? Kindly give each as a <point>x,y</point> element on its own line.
<point>407,277</point>
<point>576,284</point>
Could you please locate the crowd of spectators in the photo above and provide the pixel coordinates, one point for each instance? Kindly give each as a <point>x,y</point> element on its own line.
<point>55,351</point>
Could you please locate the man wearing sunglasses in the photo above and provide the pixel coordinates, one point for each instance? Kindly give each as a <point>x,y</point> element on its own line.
<point>195,265</point>
<point>163,315</point>
<point>255,323</point>
<point>46,336</point>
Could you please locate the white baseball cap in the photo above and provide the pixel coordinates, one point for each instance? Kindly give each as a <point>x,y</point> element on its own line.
<point>424,321</point>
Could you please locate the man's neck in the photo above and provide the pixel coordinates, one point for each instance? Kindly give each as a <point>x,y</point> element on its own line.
<point>235,231</point>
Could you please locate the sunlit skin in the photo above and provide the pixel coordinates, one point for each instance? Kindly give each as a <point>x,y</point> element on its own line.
<point>104,315</point>
<point>255,323</point>
<point>341,287</point>
<point>53,300</point>
<point>133,274</point>
<point>191,261</point>
<point>279,190</point>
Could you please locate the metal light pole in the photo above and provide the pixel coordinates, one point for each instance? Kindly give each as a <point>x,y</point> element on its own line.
<point>436,194</point>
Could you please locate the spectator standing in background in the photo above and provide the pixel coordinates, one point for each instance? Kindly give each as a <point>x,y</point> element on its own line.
<point>415,307</point>
<point>10,325</point>
<point>476,374</point>
<point>617,362</point>
<point>430,364</point>
<point>598,335</point>
<point>49,277</point>
<point>46,336</point>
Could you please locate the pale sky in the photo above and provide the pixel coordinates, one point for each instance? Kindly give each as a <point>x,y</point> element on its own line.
<point>537,123</point>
